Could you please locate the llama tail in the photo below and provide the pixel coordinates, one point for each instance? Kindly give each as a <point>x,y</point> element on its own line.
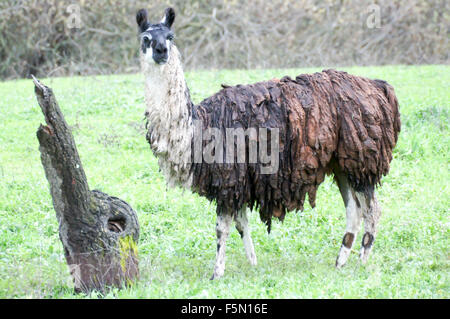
<point>368,159</point>
<point>392,99</point>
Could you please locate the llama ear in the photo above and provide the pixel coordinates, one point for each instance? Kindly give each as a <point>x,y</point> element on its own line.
<point>142,19</point>
<point>169,17</point>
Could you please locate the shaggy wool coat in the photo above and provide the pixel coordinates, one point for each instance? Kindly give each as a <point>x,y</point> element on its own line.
<point>326,121</point>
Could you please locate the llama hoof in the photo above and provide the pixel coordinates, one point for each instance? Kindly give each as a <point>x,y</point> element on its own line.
<point>364,255</point>
<point>344,253</point>
<point>253,260</point>
<point>215,276</point>
<point>218,272</point>
<point>339,265</point>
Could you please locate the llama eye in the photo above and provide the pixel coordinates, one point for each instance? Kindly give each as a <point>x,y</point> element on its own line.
<point>147,41</point>
<point>170,37</point>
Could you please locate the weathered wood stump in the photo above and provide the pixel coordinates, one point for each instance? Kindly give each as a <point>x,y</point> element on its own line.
<point>99,233</point>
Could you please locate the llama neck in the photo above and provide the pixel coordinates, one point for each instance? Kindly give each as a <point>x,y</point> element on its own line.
<point>168,112</point>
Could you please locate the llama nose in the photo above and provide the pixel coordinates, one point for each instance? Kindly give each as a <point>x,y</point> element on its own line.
<point>161,50</point>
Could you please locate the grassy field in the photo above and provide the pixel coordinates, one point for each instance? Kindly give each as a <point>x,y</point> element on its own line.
<point>411,256</point>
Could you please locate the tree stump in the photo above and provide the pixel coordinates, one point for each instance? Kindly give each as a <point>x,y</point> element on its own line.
<point>99,233</point>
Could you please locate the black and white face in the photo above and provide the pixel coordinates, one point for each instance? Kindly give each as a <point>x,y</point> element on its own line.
<point>156,38</point>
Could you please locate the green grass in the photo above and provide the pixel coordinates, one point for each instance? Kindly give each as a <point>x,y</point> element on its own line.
<point>410,259</point>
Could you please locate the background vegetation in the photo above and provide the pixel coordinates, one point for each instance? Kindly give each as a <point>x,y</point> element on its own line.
<point>36,38</point>
<point>177,244</point>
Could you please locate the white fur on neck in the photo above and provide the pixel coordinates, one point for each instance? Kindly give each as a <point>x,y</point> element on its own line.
<point>170,124</point>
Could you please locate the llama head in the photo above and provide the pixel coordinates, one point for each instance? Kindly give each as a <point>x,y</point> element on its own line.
<point>156,38</point>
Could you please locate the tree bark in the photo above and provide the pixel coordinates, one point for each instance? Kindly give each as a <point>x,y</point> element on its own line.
<point>99,233</point>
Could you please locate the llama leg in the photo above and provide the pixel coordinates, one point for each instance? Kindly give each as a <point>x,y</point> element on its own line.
<point>244,230</point>
<point>224,220</point>
<point>352,202</point>
<point>371,217</point>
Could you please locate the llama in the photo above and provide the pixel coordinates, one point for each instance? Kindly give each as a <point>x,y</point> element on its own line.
<point>323,123</point>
